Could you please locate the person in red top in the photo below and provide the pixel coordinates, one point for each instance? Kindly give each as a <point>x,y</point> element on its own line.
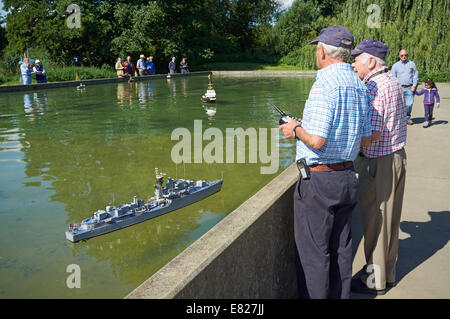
<point>129,67</point>
<point>382,169</point>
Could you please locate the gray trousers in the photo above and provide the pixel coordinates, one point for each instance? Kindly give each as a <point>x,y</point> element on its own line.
<point>323,207</point>
<point>382,187</point>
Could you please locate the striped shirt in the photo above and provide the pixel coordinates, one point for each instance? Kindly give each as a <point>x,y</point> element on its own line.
<point>337,109</point>
<point>388,114</point>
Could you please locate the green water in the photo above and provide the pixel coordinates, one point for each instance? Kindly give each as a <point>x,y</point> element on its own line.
<point>66,153</point>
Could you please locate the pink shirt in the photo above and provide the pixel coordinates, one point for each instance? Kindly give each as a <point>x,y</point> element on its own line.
<point>388,114</point>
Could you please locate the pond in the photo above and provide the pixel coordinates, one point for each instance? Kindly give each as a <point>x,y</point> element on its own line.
<point>65,153</point>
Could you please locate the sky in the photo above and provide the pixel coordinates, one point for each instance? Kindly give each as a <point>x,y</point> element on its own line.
<point>284,3</point>
<point>3,13</point>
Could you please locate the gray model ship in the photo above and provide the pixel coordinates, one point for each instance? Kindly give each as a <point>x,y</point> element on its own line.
<point>176,194</point>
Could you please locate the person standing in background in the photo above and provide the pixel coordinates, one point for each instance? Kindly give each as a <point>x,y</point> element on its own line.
<point>406,72</point>
<point>431,93</point>
<point>151,66</point>
<point>140,65</point>
<point>129,67</point>
<point>172,66</point>
<point>26,72</point>
<point>119,68</point>
<point>184,66</point>
<point>39,71</point>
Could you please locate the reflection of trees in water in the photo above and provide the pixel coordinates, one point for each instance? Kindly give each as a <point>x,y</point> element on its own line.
<point>92,151</point>
<point>91,160</point>
<point>86,173</point>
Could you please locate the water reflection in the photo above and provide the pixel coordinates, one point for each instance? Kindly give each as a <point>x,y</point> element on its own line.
<point>184,85</point>
<point>172,87</point>
<point>34,104</point>
<point>210,111</point>
<point>64,154</point>
<point>124,94</point>
<point>145,91</point>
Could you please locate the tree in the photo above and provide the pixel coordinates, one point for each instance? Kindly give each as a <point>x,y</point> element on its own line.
<point>294,26</point>
<point>197,29</point>
<point>420,26</point>
<point>3,39</point>
<point>22,23</point>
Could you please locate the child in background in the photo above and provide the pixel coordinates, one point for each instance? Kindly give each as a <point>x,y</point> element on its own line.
<point>431,92</point>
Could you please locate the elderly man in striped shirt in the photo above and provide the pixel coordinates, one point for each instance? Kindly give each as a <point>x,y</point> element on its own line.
<point>335,121</point>
<point>382,169</point>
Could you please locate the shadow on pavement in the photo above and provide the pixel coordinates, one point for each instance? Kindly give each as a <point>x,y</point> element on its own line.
<point>439,122</point>
<point>426,239</point>
<point>420,120</point>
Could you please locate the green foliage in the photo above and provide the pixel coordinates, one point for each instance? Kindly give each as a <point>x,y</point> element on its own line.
<point>68,73</point>
<point>294,26</point>
<point>9,69</point>
<point>196,29</point>
<point>3,40</point>
<point>141,28</point>
<point>420,26</point>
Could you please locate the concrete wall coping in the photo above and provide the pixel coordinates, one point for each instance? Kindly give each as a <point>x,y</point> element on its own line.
<point>41,86</point>
<point>174,276</point>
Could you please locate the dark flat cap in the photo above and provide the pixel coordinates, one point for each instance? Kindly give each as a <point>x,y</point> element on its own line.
<point>372,47</point>
<point>336,36</point>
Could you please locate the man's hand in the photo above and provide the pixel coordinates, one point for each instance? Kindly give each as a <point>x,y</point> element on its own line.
<point>413,88</point>
<point>313,141</point>
<point>288,128</point>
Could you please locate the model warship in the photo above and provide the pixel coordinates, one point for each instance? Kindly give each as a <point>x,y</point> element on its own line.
<point>210,95</point>
<point>176,194</point>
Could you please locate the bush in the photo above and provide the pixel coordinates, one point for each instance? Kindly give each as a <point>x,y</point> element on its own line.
<point>68,73</point>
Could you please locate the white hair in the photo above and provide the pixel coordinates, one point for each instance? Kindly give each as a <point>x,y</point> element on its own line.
<point>366,57</point>
<point>339,53</point>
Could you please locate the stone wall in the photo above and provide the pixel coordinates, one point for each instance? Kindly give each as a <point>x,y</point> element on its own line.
<point>249,254</point>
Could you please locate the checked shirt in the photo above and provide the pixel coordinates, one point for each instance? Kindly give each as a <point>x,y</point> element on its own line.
<point>387,114</point>
<point>337,109</point>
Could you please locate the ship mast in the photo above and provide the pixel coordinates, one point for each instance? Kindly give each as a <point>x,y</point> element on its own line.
<point>159,184</point>
<point>209,84</point>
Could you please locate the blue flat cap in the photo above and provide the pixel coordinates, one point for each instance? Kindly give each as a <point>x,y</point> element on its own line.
<point>372,47</point>
<point>336,36</point>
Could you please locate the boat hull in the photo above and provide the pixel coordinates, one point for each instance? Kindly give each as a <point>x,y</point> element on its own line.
<point>176,203</point>
<point>208,100</point>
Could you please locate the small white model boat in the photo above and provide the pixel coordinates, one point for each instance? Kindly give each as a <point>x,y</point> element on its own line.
<point>210,95</point>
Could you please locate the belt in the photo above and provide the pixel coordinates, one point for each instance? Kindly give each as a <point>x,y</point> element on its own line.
<point>406,86</point>
<point>330,167</point>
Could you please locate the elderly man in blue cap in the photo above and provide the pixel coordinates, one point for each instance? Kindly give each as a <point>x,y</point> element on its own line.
<point>335,123</point>
<point>382,169</point>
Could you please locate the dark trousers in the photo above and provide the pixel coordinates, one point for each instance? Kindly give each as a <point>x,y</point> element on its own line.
<point>428,112</point>
<point>323,207</point>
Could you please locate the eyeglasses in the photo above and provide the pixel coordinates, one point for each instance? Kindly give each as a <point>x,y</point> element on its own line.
<point>403,55</point>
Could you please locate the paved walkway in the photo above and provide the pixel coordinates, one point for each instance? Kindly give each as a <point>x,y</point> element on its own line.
<point>423,266</point>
